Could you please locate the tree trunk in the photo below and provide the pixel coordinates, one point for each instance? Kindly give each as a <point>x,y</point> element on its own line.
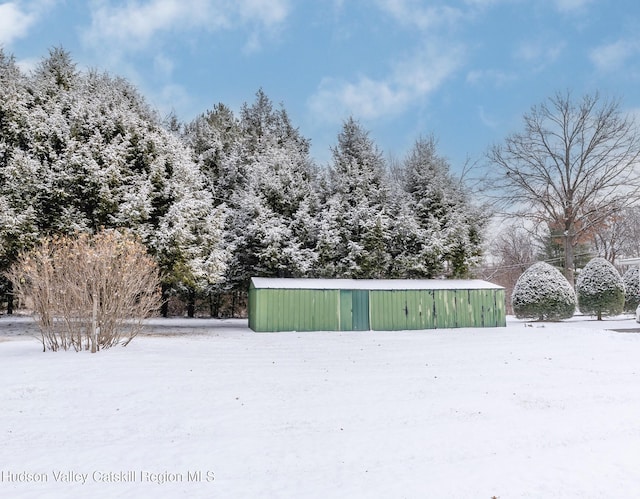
<point>214,304</point>
<point>191,303</point>
<point>569,259</point>
<point>164,308</point>
<point>10,298</point>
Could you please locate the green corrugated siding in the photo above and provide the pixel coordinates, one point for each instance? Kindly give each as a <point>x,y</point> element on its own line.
<point>465,311</point>
<point>360,310</point>
<point>427,305</point>
<point>501,306</point>
<point>444,308</point>
<point>402,309</point>
<point>253,313</point>
<point>293,310</point>
<point>346,319</point>
<point>345,310</point>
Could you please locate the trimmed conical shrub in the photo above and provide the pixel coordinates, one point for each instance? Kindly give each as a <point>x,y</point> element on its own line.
<point>543,293</point>
<point>631,279</point>
<point>600,289</point>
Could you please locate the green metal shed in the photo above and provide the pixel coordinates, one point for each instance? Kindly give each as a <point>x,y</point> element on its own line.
<point>373,304</point>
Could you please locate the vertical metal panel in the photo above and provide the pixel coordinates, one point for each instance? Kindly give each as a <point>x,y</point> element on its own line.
<point>303,312</point>
<point>273,310</point>
<point>427,304</point>
<point>291,317</point>
<point>400,312</point>
<point>252,307</point>
<point>412,309</point>
<point>331,310</point>
<point>388,310</point>
<point>392,313</point>
<point>376,310</point>
<point>360,310</point>
<point>501,313</point>
<point>294,310</point>
<point>444,308</point>
<point>345,310</point>
<point>487,308</point>
<point>477,305</point>
<point>327,310</point>
<point>465,312</point>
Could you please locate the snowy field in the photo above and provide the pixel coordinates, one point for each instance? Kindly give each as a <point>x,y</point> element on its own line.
<point>209,409</point>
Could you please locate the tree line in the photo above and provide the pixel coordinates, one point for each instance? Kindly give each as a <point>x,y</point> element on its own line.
<point>230,195</point>
<point>224,197</point>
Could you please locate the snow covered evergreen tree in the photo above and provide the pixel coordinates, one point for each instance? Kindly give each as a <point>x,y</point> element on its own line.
<point>94,155</point>
<point>631,280</point>
<point>449,225</point>
<point>260,166</point>
<point>600,289</point>
<point>18,227</point>
<point>213,136</point>
<point>543,293</point>
<point>355,224</point>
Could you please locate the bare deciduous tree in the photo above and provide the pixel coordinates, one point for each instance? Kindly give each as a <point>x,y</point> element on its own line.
<point>618,236</point>
<point>574,165</point>
<point>88,291</point>
<point>513,251</point>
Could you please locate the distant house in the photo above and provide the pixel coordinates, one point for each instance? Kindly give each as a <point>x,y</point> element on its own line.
<point>372,304</point>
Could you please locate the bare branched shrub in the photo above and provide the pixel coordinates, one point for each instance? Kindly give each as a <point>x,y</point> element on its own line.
<point>88,291</point>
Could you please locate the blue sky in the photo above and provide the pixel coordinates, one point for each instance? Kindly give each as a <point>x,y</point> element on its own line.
<point>464,70</point>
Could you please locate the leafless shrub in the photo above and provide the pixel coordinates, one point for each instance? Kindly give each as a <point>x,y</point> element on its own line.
<point>89,292</point>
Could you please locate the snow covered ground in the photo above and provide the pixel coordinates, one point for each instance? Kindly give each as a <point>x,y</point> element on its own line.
<point>208,408</point>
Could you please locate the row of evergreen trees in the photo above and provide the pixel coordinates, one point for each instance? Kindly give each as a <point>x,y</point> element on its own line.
<point>224,197</point>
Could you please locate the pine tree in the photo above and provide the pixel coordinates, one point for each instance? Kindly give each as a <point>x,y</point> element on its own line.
<point>446,226</point>
<point>213,136</point>
<point>354,231</point>
<point>443,210</point>
<point>260,165</point>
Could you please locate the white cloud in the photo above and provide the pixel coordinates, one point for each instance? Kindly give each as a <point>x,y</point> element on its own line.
<point>483,3</point>
<point>571,5</point>
<point>171,97</point>
<point>612,56</point>
<point>409,81</point>
<point>15,21</point>
<point>539,54</point>
<point>493,76</point>
<point>266,12</point>
<point>18,17</point>
<point>414,13</point>
<point>486,119</point>
<point>135,24</point>
<point>163,65</point>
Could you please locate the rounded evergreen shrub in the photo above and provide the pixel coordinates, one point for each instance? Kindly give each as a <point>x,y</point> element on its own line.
<point>631,280</point>
<point>600,289</point>
<point>543,293</point>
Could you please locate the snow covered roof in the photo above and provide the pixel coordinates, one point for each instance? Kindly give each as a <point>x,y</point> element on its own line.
<point>372,284</point>
<point>628,261</point>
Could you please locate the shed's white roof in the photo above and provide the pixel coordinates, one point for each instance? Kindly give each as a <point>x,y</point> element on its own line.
<point>628,261</point>
<point>373,284</point>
